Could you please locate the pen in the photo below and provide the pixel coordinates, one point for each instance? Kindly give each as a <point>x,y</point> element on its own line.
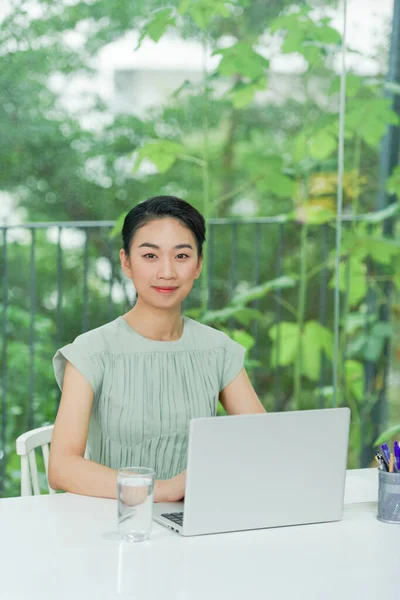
<point>381,461</point>
<point>386,453</point>
<point>396,449</point>
<point>391,463</point>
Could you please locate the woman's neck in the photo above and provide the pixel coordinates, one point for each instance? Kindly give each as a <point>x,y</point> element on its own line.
<point>157,326</point>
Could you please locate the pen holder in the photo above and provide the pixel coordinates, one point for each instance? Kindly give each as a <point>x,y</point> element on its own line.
<point>389,497</point>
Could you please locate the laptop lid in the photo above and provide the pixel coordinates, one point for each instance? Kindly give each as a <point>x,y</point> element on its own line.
<point>265,470</point>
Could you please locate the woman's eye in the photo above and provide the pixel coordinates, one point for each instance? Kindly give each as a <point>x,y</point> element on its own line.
<point>151,255</point>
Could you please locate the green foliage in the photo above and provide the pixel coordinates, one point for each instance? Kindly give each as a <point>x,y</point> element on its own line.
<point>203,12</point>
<point>304,35</point>
<point>213,148</point>
<point>162,153</point>
<point>157,25</point>
<point>393,183</point>
<point>241,59</point>
<point>387,435</point>
<point>313,340</point>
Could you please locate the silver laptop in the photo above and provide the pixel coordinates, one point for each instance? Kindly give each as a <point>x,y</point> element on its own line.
<point>265,470</point>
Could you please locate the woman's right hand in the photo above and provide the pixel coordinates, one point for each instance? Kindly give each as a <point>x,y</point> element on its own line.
<point>170,490</point>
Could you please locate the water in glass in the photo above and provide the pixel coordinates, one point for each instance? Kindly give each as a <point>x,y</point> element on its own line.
<point>135,506</point>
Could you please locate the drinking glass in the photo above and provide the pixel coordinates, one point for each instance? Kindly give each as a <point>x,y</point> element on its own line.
<point>135,503</point>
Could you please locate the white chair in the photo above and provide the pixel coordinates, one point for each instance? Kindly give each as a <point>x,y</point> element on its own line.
<point>26,445</point>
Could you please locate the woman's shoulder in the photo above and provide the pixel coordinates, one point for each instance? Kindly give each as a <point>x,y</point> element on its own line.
<point>103,339</point>
<point>205,336</point>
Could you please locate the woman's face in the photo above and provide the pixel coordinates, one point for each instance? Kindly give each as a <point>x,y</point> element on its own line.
<point>163,254</point>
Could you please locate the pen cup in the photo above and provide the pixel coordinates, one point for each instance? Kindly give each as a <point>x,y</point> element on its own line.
<point>389,497</point>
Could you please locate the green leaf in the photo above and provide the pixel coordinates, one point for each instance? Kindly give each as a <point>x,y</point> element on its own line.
<point>243,94</point>
<point>267,171</point>
<point>353,85</point>
<point>288,22</point>
<point>300,149</point>
<point>381,250</point>
<point>396,282</point>
<point>321,335</point>
<point>357,320</point>
<point>375,340</point>
<point>312,54</point>
<point>162,153</point>
<point>116,230</point>
<point>393,183</point>
<point>293,41</point>
<point>321,145</point>
<point>356,280</point>
<point>277,183</point>
<point>243,338</point>
<point>203,12</point>
<point>373,348</point>
<point>354,378</point>
<point>247,315</point>
<point>369,118</point>
<point>289,341</point>
<point>382,329</point>
<point>356,346</point>
<point>387,435</point>
<point>260,291</point>
<point>184,7</point>
<point>327,35</point>
<point>241,59</point>
<point>241,313</point>
<point>315,338</point>
<point>310,360</point>
<point>157,25</point>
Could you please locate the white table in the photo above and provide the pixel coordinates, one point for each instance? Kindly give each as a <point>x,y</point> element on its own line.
<point>65,546</point>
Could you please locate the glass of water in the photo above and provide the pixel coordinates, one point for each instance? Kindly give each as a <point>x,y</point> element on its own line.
<point>135,503</point>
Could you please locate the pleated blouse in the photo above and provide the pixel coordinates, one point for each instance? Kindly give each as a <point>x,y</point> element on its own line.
<point>146,391</point>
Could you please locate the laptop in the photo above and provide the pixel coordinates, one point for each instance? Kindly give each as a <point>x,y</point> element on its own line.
<point>264,470</point>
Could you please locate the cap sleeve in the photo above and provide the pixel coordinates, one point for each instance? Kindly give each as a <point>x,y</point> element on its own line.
<point>90,366</point>
<point>234,354</point>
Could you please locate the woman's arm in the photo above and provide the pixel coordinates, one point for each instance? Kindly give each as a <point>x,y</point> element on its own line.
<point>239,397</point>
<point>68,469</point>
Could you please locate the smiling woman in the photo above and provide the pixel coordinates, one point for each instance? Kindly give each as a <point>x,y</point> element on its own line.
<point>131,387</point>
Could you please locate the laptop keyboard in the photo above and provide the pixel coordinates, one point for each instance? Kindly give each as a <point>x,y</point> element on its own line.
<point>175,517</point>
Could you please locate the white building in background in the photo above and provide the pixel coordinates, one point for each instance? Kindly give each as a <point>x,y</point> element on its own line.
<point>133,81</point>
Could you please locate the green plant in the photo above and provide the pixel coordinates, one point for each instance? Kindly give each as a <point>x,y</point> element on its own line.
<point>215,141</point>
<point>387,435</point>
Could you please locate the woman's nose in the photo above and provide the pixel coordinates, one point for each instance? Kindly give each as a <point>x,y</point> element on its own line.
<point>166,268</point>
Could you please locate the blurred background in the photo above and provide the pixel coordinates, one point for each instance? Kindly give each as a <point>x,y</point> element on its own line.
<point>233,105</point>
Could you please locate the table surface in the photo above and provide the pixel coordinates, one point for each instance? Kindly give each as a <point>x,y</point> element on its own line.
<point>66,546</point>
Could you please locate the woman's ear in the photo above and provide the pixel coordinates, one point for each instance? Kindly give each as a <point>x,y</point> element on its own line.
<point>199,267</point>
<point>125,263</point>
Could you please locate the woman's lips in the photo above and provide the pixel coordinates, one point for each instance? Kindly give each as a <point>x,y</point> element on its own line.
<point>165,290</point>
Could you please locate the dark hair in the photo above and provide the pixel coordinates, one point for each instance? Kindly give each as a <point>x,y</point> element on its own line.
<point>160,207</point>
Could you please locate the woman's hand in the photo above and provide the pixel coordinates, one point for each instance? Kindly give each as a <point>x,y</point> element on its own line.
<point>170,490</point>
<point>133,495</point>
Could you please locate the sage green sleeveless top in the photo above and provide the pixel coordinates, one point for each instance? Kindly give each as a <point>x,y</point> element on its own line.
<point>146,391</point>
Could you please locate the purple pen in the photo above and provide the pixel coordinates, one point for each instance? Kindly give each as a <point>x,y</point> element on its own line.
<point>396,449</point>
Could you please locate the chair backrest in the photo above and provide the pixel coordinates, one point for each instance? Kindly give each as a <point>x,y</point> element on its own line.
<point>26,445</point>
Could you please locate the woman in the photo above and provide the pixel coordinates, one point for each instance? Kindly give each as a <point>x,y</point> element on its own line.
<point>130,387</point>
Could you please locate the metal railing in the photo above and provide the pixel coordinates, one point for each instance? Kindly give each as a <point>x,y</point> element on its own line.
<point>245,252</point>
